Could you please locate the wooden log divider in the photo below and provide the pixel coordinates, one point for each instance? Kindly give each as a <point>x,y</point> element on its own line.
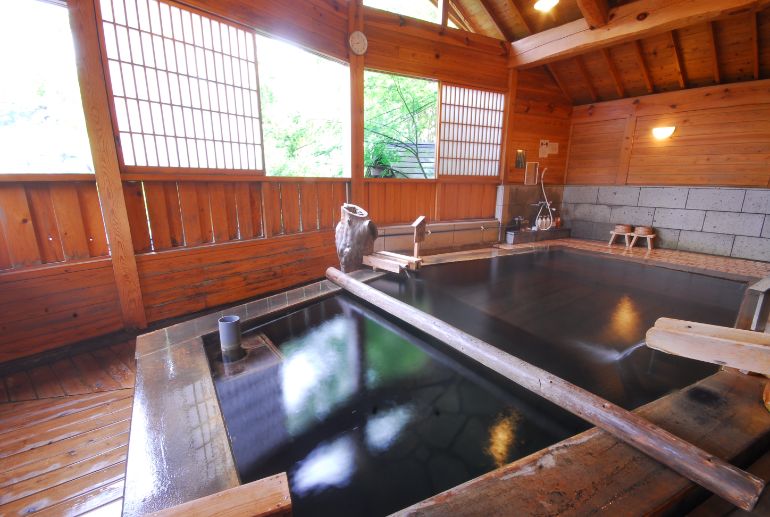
<point>729,482</point>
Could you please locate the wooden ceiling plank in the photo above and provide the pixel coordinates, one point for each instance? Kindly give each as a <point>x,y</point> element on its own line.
<point>467,19</point>
<point>614,72</point>
<point>557,79</point>
<point>643,66</point>
<point>595,12</point>
<point>678,60</point>
<point>714,52</point>
<point>519,12</point>
<point>485,4</point>
<point>630,21</point>
<point>755,43</point>
<point>586,77</point>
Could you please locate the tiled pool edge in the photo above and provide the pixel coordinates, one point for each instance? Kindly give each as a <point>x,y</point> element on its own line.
<point>178,448</point>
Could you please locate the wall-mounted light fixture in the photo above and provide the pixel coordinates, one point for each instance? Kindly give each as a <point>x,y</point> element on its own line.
<point>545,5</point>
<point>661,133</point>
<point>521,158</point>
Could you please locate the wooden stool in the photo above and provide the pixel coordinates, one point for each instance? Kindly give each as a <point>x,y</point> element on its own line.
<point>631,238</point>
<point>649,238</point>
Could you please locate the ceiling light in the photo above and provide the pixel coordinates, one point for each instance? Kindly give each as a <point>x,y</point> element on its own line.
<point>545,5</point>
<point>661,133</point>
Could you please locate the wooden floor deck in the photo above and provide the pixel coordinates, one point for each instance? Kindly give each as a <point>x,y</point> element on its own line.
<point>64,434</point>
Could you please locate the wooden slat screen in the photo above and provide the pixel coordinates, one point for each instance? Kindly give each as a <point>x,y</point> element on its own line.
<point>49,222</point>
<point>182,214</point>
<point>471,128</point>
<point>184,87</point>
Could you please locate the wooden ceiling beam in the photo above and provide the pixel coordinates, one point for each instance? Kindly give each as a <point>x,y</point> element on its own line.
<point>614,73</point>
<point>595,12</point>
<point>630,21</point>
<point>643,66</point>
<point>586,77</point>
<point>678,60</point>
<point>559,83</point>
<point>754,21</point>
<point>714,52</point>
<point>495,20</point>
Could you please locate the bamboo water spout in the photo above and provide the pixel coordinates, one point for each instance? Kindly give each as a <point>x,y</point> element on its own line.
<point>729,482</point>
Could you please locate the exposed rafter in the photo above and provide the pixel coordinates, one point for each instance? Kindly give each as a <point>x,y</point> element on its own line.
<point>643,66</point>
<point>714,52</point>
<point>489,9</point>
<point>630,21</point>
<point>678,60</point>
<point>558,81</point>
<point>454,16</point>
<point>521,16</point>
<point>595,12</point>
<point>586,77</point>
<point>468,21</point>
<point>753,20</point>
<point>614,73</point>
<point>443,10</point>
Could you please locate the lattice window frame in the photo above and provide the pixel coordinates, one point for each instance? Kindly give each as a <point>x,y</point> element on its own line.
<point>191,124</point>
<point>486,130</point>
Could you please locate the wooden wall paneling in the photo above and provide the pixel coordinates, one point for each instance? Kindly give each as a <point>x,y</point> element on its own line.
<point>245,211</point>
<point>356,62</point>
<point>257,210</point>
<point>219,212</point>
<point>627,146</point>
<point>175,226</point>
<point>137,216</point>
<point>5,258</point>
<point>204,211</point>
<point>290,207</point>
<point>44,221</point>
<point>231,207</point>
<point>309,206</point>
<point>155,199</point>
<point>763,42</point>
<point>96,107</point>
<point>16,223</point>
<point>190,212</point>
<point>273,208</point>
<point>595,151</point>
<point>69,219</point>
<point>92,219</point>
<point>326,207</point>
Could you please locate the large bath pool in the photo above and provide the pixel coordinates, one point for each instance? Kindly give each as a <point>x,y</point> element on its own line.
<point>367,417</point>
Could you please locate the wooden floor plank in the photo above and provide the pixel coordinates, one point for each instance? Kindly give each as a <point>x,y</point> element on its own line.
<point>70,377</point>
<point>45,382</point>
<point>32,437</point>
<point>51,462</point>
<point>113,509</point>
<point>23,417</point>
<point>90,503</point>
<point>3,391</point>
<point>50,480</point>
<point>37,409</point>
<point>65,491</point>
<point>125,352</point>
<point>20,387</point>
<point>111,363</point>
<point>98,379</point>
<point>67,446</point>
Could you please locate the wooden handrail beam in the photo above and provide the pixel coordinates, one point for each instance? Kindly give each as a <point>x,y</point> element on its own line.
<point>629,22</point>
<point>740,488</point>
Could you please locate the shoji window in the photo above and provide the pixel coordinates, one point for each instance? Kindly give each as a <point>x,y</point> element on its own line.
<point>184,87</point>
<point>471,128</point>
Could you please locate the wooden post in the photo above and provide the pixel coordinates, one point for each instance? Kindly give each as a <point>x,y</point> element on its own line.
<point>419,234</point>
<point>93,89</point>
<point>356,23</point>
<point>740,488</point>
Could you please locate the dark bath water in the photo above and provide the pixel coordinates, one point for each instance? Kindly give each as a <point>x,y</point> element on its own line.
<point>367,418</point>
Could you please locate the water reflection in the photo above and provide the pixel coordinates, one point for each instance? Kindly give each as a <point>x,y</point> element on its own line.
<point>383,430</point>
<point>329,465</point>
<point>502,437</point>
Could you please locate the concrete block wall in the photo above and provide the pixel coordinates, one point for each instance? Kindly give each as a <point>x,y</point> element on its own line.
<point>732,222</point>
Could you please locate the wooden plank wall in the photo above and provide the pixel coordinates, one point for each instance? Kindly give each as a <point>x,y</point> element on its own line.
<point>540,111</point>
<point>722,137</point>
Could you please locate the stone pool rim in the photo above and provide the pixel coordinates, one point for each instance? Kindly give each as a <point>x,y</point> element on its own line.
<point>196,456</point>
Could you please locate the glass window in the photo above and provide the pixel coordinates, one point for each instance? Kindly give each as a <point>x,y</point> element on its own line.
<point>399,126</point>
<point>42,127</point>
<point>420,9</point>
<point>306,107</point>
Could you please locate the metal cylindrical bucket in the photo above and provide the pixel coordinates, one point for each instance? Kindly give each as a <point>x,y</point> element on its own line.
<point>230,336</point>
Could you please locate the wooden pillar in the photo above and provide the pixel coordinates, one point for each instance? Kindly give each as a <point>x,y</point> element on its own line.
<point>508,154</point>
<point>356,23</point>
<point>93,89</point>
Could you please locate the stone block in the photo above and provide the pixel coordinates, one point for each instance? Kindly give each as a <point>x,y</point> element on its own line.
<point>663,197</point>
<point>583,230</point>
<point>720,199</point>
<point>594,213</point>
<point>678,219</point>
<point>637,216</point>
<point>754,248</point>
<point>766,227</point>
<point>580,194</point>
<point>601,231</point>
<point>666,238</point>
<point>628,196</point>
<point>702,242</point>
<point>757,201</point>
<point>734,223</point>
